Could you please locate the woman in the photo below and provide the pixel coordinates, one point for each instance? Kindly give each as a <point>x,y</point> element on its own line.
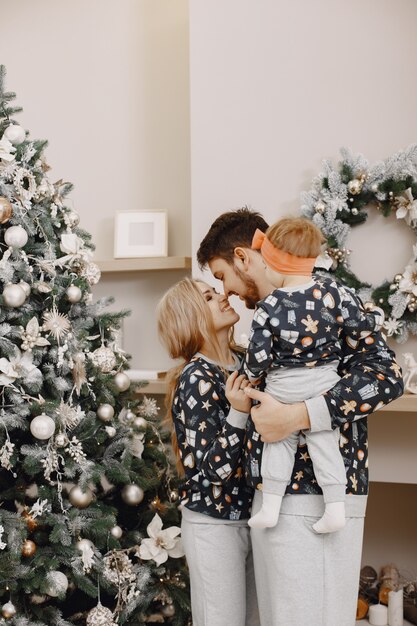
<point>209,412</point>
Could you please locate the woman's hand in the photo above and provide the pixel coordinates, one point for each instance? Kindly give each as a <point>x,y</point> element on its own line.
<point>235,386</point>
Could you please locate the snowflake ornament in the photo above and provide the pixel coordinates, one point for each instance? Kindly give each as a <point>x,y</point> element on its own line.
<point>56,324</point>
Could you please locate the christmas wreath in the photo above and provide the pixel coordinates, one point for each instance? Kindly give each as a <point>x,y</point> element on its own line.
<point>340,199</point>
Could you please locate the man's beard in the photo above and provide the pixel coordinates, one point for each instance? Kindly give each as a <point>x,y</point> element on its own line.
<point>251,296</point>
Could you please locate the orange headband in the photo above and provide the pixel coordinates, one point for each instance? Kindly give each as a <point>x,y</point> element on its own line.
<point>280,261</point>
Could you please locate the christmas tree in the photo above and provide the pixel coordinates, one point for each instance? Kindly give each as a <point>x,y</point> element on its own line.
<point>88,511</point>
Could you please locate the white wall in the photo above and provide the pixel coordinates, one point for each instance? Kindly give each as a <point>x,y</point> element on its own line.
<point>278,86</point>
<point>106,82</point>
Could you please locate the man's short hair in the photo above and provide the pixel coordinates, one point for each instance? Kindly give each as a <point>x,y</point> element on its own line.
<point>230,230</point>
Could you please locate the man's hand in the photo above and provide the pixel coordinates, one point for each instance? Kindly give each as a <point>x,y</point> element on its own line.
<point>274,420</point>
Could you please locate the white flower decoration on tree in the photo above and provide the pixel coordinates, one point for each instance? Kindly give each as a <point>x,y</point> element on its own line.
<point>392,326</point>
<point>56,324</point>
<point>31,335</point>
<point>6,150</point>
<point>161,543</point>
<point>74,248</point>
<point>19,366</point>
<point>407,207</point>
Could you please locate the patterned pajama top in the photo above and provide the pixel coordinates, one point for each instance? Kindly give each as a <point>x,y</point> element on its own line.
<point>312,334</point>
<point>210,437</point>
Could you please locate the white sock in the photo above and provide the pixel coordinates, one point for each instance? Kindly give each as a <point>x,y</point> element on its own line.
<point>333,518</point>
<point>267,517</point>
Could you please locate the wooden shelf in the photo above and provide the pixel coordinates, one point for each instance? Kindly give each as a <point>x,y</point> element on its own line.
<point>407,403</point>
<point>154,387</point>
<point>148,264</point>
<point>365,622</point>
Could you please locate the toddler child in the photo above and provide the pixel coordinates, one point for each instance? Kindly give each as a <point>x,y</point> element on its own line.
<point>294,344</point>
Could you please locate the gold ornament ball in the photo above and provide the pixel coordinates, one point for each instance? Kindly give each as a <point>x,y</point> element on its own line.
<point>116,532</point>
<point>6,210</point>
<point>132,494</point>
<point>105,412</point>
<point>8,610</point>
<point>14,296</point>
<point>74,294</point>
<point>28,548</point>
<point>122,381</point>
<point>31,522</point>
<point>79,498</point>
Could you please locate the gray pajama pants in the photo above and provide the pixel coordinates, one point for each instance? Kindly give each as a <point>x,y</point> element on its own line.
<point>291,385</point>
<point>304,578</point>
<point>220,563</point>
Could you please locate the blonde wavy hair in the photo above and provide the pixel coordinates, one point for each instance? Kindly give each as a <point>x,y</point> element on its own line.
<point>185,324</point>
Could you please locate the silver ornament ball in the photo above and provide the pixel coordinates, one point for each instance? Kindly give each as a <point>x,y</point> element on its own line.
<point>73,218</point>
<point>100,616</point>
<point>116,532</point>
<point>105,412</point>
<point>104,358</point>
<point>80,498</point>
<point>354,186</point>
<point>132,494</point>
<point>42,427</point>
<point>122,381</point>
<point>126,417</point>
<point>16,237</point>
<point>26,287</point>
<point>374,187</point>
<point>8,610</point>
<point>56,583</point>
<point>15,134</point>
<point>92,273</point>
<point>140,423</point>
<point>14,296</point>
<point>320,207</point>
<point>74,294</point>
<point>398,277</point>
<point>355,211</point>
<point>82,544</point>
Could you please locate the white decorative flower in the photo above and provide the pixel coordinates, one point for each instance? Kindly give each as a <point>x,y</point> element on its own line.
<point>162,543</point>
<point>74,248</point>
<point>392,326</point>
<point>6,149</point>
<point>407,207</point>
<point>408,283</point>
<point>8,373</point>
<point>31,336</point>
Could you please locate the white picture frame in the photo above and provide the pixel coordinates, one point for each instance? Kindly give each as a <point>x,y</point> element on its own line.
<point>140,234</point>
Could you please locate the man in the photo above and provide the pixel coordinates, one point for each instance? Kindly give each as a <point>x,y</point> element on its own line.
<point>303,577</point>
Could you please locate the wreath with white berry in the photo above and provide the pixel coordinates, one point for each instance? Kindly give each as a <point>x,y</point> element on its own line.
<point>340,199</point>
